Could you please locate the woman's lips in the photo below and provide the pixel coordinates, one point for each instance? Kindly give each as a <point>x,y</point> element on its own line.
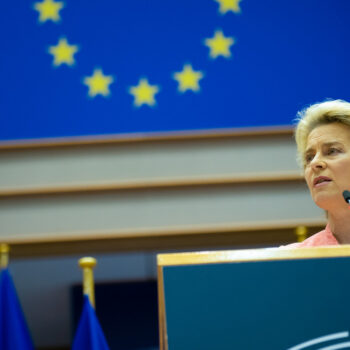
<point>321,181</point>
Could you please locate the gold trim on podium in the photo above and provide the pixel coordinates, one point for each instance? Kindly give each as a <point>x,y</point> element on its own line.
<point>163,340</point>
<point>231,256</point>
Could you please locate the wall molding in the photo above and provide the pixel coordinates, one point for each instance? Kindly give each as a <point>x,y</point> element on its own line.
<point>153,184</point>
<point>193,135</point>
<point>228,235</point>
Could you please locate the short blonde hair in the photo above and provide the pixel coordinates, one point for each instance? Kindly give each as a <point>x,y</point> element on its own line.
<point>335,111</point>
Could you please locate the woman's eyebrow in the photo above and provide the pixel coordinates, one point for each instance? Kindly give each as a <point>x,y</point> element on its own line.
<point>308,150</point>
<point>331,143</point>
<point>327,144</point>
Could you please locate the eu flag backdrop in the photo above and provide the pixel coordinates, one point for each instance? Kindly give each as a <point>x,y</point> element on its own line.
<point>94,67</point>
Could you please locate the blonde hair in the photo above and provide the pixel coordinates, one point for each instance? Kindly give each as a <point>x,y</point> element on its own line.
<point>335,111</point>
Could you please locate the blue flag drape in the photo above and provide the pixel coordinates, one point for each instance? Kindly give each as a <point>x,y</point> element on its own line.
<point>14,333</point>
<point>89,334</point>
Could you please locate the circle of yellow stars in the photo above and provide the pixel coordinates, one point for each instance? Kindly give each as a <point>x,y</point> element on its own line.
<point>144,93</point>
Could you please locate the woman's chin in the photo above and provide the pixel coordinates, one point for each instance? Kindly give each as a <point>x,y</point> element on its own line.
<point>327,202</point>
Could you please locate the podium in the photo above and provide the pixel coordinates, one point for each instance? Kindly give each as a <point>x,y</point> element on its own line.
<point>273,299</point>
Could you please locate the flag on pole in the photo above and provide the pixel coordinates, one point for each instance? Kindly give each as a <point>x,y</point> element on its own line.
<point>89,334</point>
<point>14,333</point>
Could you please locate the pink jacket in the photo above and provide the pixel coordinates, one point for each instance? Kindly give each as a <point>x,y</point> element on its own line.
<point>324,237</point>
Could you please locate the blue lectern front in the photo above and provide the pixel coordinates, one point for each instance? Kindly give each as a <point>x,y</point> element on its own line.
<point>273,299</point>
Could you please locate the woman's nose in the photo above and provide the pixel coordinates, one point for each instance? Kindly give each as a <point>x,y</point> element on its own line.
<point>318,163</point>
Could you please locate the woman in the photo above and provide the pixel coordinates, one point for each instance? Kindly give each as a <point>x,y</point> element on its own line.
<point>323,141</point>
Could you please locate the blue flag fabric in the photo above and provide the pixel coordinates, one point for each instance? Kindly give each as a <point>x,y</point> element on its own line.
<point>71,68</point>
<point>14,333</point>
<point>89,334</point>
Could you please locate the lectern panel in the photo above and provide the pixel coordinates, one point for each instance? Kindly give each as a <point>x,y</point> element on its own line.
<point>270,304</point>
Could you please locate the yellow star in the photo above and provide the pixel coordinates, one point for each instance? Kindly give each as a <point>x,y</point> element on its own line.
<point>144,93</point>
<point>188,79</point>
<point>219,45</point>
<point>98,83</point>
<point>229,5</point>
<point>63,52</point>
<point>49,9</point>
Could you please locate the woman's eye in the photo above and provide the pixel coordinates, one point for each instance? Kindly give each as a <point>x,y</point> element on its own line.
<point>308,158</point>
<point>333,150</point>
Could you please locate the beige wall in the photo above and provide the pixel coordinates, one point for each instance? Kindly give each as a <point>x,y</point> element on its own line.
<point>43,282</point>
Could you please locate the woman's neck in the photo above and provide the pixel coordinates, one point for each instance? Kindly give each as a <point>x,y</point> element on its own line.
<point>339,223</point>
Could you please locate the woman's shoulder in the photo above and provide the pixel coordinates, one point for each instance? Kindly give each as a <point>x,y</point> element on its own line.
<point>322,238</point>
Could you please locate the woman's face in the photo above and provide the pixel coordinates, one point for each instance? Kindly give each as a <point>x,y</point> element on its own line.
<point>327,164</point>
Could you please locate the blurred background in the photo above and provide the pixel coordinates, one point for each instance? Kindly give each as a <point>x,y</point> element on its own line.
<point>135,128</point>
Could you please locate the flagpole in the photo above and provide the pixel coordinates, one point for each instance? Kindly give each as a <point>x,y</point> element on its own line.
<point>88,264</point>
<point>89,334</point>
<point>4,255</point>
<point>301,233</point>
